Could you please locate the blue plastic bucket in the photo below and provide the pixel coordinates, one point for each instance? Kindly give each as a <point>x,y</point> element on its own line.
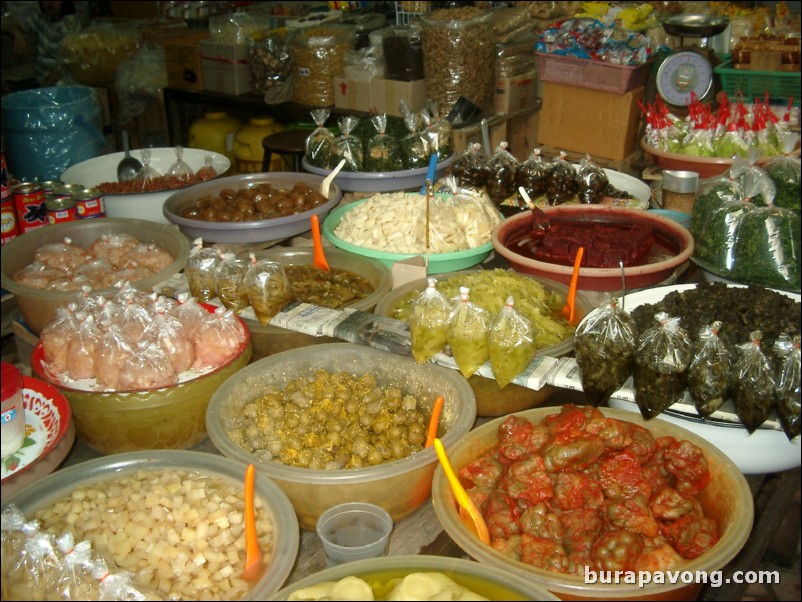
<point>45,130</point>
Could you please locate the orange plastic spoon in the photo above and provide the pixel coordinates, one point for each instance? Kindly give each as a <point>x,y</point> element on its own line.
<point>253,553</point>
<point>568,310</point>
<point>434,421</point>
<point>318,258</point>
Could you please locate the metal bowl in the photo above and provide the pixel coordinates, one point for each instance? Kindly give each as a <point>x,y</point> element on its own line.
<point>699,26</point>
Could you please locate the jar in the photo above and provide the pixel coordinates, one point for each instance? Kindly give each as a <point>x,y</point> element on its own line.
<point>12,410</point>
<point>215,132</point>
<point>679,190</point>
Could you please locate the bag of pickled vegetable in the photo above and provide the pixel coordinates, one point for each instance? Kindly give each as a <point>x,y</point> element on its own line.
<point>467,334</point>
<point>533,175</point>
<point>754,390</point>
<point>320,143</point>
<point>562,181</point>
<point>592,182</point>
<point>201,271</point>
<point>786,173</point>
<point>347,146</point>
<point>268,288</point>
<point>428,322</point>
<point>510,344</point>
<point>709,372</point>
<point>661,365</point>
<point>382,152</point>
<point>415,148</point>
<point>501,171</point>
<point>788,404</point>
<point>604,345</point>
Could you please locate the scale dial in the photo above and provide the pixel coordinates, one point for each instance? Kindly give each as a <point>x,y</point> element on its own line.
<point>682,73</point>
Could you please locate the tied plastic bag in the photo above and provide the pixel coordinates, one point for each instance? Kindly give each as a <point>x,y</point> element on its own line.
<point>347,146</point>
<point>113,351</point>
<point>757,184</point>
<point>591,181</point>
<point>383,153</point>
<point>533,175</point>
<point>467,334</point>
<point>661,364</point>
<point>56,337</point>
<point>470,168</point>
<point>786,173</point>
<point>428,322</point>
<point>501,170</point>
<point>268,288</point>
<point>230,282</point>
<point>754,390</point>
<point>562,181</point>
<point>788,404</point>
<point>510,344</point>
<point>81,349</point>
<point>148,367</point>
<point>415,148</point>
<point>604,345</point>
<point>438,131</point>
<point>709,372</point>
<point>201,270</point>
<point>320,143</point>
<point>271,67</point>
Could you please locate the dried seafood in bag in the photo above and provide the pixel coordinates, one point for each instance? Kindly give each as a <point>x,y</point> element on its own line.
<point>428,322</point>
<point>661,364</point>
<point>510,344</point>
<point>754,389</point>
<point>604,344</point>
<point>467,334</point>
<point>787,403</point>
<point>709,372</point>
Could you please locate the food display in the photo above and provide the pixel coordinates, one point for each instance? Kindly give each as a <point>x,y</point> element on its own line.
<point>414,586</point>
<point>333,289</point>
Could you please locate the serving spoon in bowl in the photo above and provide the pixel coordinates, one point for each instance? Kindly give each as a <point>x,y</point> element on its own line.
<point>325,185</point>
<point>318,257</point>
<point>128,167</point>
<point>253,553</point>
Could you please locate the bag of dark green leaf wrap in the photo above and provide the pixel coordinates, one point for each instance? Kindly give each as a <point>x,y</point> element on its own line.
<point>320,143</point>
<point>382,151</point>
<point>786,173</point>
<point>467,334</point>
<point>428,322</point>
<point>501,175</point>
<point>604,345</point>
<point>591,182</point>
<point>347,146</point>
<point>754,389</point>
<point>787,404</point>
<point>533,175</point>
<point>470,167</point>
<point>510,344</point>
<point>562,181</point>
<point>661,365</point>
<point>709,372</point>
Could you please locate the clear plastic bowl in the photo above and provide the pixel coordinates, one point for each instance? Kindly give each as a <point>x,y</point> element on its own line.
<point>399,486</point>
<point>286,537</point>
<point>727,499</point>
<point>38,307</point>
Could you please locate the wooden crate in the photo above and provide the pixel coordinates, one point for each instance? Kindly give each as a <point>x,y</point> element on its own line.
<point>522,133</point>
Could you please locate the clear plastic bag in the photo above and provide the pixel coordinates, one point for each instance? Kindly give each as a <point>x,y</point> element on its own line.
<point>364,65</point>
<point>788,403</point>
<point>754,389</point>
<point>533,175</point>
<point>562,181</point>
<point>591,181</point>
<point>510,344</point>
<point>604,346</point>
<point>428,322</point>
<point>320,143</point>
<point>709,372</point>
<point>470,168</point>
<point>220,335</point>
<point>230,282</point>
<point>271,67</point>
<point>382,153</point>
<point>347,146</point>
<point>318,56</point>
<point>148,367</point>
<point>438,131</point>
<point>786,173</point>
<point>415,148</point>
<point>501,170</point>
<point>403,52</point>
<point>201,270</point>
<point>268,288</point>
<point>467,334</point>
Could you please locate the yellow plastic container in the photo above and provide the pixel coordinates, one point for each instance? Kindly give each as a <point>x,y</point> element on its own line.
<point>215,131</point>
<point>248,150</point>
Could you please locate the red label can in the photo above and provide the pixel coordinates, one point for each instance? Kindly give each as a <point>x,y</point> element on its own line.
<point>29,201</point>
<point>60,210</point>
<point>8,219</point>
<point>49,186</point>
<point>5,188</point>
<point>89,203</point>
<point>67,190</point>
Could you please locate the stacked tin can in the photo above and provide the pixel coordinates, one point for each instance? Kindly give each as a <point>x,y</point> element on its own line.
<point>8,215</point>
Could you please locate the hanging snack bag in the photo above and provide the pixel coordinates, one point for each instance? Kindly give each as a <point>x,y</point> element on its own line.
<point>754,390</point>
<point>562,181</point>
<point>787,404</point>
<point>201,270</point>
<point>470,168</point>
<point>592,182</point>
<point>428,322</point>
<point>786,173</point>
<point>661,364</point>
<point>415,148</point>
<point>382,153</point>
<point>467,334</point>
<point>604,345</point>
<point>347,146</point>
<point>510,344</point>
<point>501,170</point>
<point>533,175</point>
<point>709,372</point>
<point>320,143</point>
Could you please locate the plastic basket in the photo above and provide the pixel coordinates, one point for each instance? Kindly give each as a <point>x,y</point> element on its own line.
<point>592,74</point>
<point>780,85</point>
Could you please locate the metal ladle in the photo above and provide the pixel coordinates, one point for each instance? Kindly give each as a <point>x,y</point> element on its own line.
<point>128,167</point>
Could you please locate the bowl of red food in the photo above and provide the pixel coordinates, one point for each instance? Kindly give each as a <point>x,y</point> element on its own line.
<point>544,242</point>
<point>571,495</point>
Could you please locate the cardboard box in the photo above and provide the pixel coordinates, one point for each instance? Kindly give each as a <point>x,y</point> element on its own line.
<point>463,136</point>
<point>515,94</point>
<point>183,61</point>
<point>387,95</point>
<point>352,95</point>
<point>522,129</point>
<point>584,120</point>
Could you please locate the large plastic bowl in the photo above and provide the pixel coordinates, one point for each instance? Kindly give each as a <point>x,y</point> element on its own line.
<point>398,486</point>
<point>382,181</point>
<point>491,400</point>
<point>38,306</point>
<point>46,491</point>
<point>142,205</point>
<point>674,241</point>
<point>490,582</point>
<point>727,499</point>
<point>268,340</point>
<point>265,230</point>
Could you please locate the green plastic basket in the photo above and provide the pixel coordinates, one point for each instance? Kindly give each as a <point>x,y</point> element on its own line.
<point>780,85</point>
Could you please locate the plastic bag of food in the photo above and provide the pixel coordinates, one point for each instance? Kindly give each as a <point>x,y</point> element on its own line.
<point>111,353</point>
<point>510,344</point>
<point>218,338</point>
<point>382,152</point>
<point>715,226</point>
<point>318,56</point>
<point>148,367</point>
<point>786,173</point>
<point>470,167</point>
<point>438,131</point>
<point>230,282</point>
<point>758,186</point>
<point>501,170</point>
<point>562,185</point>
<point>661,365</point>
<point>403,52</point>
<point>445,219</point>
<point>271,67</point>
<point>415,148</point>
<point>169,333</point>
<point>604,345</point>
<point>788,404</point>
<point>320,143</point>
<point>56,337</point>
<point>81,349</point>
<point>754,390</point>
<point>591,181</point>
<point>709,372</point>
<point>364,64</point>
<point>201,270</point>
<point>467,334</point>
<point>428,322</point>
<point>533,175</point>
<point>268,288</point>
<point>347,146</point>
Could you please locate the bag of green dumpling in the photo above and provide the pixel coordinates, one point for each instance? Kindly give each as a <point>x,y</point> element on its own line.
<point>787,404</point>
<point>510,344</point>
<point>604,345</point>
<point>754,389</point>
<point>709,372</point>
<point>320,143</point>
<point>661,365</point>
<point>467,334</point>
<point>382,153</point>
<point>428,322</point>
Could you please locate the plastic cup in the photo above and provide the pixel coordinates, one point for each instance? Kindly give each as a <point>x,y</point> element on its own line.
<point>354,531</point>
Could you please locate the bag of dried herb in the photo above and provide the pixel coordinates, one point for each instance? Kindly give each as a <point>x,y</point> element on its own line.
<point>467,334</point>
<point>754,390</point>
<point>756,182</point>
<point>787,403</point>
<point>709,372</point>
<point>510,344</point>
<point>533,175</point>
<point>320,143</point>
<point>382,153</point>
<point>562,184</point>
<point>414,146</point>
<point>661,365</point>
<point>604,345</point>
<point>428,322</point>
<point>347,146</point>
<point>438,131</point>
<point>470,168</point>
<point>501,174</point>
<point>786,172</point>
<point>715,191</point>
<point>591,181</point>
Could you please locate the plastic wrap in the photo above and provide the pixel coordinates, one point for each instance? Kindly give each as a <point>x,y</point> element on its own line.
<point>754,388</point>
<point>709,372</point>
<point>320,143</point>
<point>562,184</point>
<point>93,54</point>
<point>438,131</point>
<point>467,334</point>
<point>347,146</point>
<point>470,168</point>
<point>501,170</point>
<point>237,27</point>
<point>403,52</point>
<point>382,151</point>
<point>591,181</point>
<point>517,56</point>
<point>318,56</point>
<point>268,288</point>
<point>201,271</point>
<point>139,81</point>
<point>510,343</point>
<point>788,403</point>
<point>786,173</point>
<point>415,148</point>
<point>271,67</point>
<point>363,65</point>
<point>428,322</point>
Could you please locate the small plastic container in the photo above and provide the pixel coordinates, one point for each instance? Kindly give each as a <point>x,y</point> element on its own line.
<point>12,410</point>
<point>354,531</point>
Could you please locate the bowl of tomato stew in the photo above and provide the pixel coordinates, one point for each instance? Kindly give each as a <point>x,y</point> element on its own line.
<point>573,492</point>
